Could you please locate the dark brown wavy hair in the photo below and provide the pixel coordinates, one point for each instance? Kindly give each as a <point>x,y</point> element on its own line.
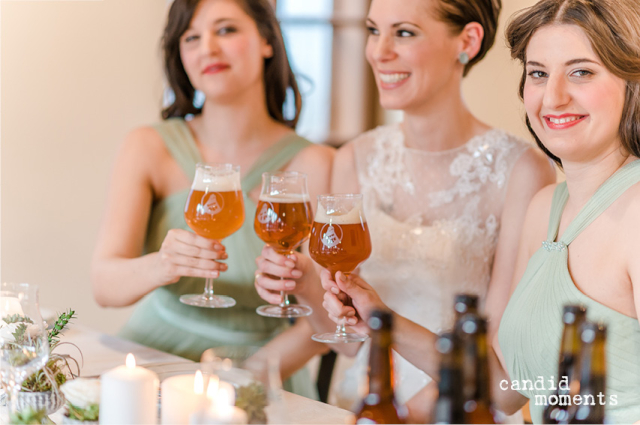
<point>613,28</point>
<point>458,13</point>
<point>278,76</point>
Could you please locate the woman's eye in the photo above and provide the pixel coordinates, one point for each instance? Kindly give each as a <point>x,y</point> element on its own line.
<point>372,30</point>
<point>191,38</point>
<point>582,73</point>
<point>404,33</point>
<point>537,74</point>
<point>226,30</point>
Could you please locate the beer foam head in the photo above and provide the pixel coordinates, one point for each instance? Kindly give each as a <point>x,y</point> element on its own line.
<point>216,179</point>
<point>285,198</point>
<point>340,215</point>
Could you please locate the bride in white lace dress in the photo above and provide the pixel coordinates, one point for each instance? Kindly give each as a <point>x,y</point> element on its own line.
<point>445,195</point>
<point>434,219</point>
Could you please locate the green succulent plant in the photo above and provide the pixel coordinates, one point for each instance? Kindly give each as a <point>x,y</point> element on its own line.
<point>54,372</point>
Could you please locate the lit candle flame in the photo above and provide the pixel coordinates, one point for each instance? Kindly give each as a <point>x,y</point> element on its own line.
<point>226,397</point>
<point>131,361</point>
<point>198,383</point>
<point>212,389</point>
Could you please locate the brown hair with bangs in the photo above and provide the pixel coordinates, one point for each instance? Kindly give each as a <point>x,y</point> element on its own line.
<point>458,13</point>
<point>278,76</point>
<point>613,28</point>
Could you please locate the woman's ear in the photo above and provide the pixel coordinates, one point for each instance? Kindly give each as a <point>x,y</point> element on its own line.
<point>471,39</point>
<point>267,50</point>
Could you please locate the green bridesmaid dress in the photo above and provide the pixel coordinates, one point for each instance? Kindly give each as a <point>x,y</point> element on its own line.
<point>160,320</point>
<point>531,327</point>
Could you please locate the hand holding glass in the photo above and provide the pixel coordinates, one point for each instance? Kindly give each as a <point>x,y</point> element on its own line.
<point>340,241</point>
<point>283,221</point>
<point>214,210</point>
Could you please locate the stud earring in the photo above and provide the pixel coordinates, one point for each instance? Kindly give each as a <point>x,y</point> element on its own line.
<point>463,57</point>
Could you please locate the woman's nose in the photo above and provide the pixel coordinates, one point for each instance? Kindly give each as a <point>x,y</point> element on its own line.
<point>210,44</point>
<point>556,93</point>
<point>383,48</point>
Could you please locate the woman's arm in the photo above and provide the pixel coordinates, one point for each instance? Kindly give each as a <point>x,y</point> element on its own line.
<point>120,276</point>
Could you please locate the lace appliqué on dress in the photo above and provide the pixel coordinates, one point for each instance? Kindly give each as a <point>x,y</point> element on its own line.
<point>484,162</point>
<point>387,159</point>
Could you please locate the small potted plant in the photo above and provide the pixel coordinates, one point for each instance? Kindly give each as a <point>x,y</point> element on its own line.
<point>40,391</point>
<point>83,400</point>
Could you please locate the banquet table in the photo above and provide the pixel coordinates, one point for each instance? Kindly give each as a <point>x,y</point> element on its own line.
<point>102,352</point>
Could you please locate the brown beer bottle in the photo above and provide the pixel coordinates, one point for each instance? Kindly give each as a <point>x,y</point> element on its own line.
<point>477,407</point>
<point>572,316</point>
<point>593,376</point>
<point>379,406</point>
<point>449,407</point>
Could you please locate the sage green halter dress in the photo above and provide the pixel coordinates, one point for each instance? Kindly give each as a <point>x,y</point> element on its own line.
<point>160,320</point>
<point>531,327</point>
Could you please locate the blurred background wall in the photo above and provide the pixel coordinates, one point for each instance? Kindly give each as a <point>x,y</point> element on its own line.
<point>76,76</point>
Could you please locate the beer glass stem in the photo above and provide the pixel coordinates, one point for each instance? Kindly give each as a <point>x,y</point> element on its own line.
<point>285,299</point>
<point>208,289</point>
<point>340,329</point>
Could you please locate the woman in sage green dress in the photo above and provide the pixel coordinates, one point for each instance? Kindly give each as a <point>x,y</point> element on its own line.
<point>581,239</point>
<point>233,52</point>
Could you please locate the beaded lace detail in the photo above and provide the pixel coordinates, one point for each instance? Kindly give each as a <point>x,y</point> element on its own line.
<point>434,219</point>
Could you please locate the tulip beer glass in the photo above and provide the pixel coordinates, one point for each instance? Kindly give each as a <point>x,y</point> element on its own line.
<point>340,242</point>
<point>283,221</point>
<point>215,210</point>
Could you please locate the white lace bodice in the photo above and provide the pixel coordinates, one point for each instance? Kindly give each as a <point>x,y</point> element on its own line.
<point>434,219</point>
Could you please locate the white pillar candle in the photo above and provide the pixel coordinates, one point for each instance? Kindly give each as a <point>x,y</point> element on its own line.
<point>129,395</point>
<point>181,396</point>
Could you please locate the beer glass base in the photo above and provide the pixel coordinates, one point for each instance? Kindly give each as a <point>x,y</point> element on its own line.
<point>199,300</point>
<point>339,338</point>
<point>292,310</point>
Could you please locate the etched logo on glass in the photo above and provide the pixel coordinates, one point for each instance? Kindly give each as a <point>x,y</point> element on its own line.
<point>213,205</point>
<point>332,237</point>
<point>267,214</point>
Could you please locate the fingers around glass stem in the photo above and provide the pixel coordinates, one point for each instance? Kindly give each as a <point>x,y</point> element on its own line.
<point>285,309</point>
<point>340,336</point>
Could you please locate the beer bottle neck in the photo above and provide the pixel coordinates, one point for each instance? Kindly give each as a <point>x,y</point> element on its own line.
<point>381,365</point>
<point>569,352</point>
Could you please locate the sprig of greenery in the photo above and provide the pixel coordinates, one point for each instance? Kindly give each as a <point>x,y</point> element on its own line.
<point>58,327</point>
<point>19,333</point>
<point>90,414</point>
<point>15,318</point>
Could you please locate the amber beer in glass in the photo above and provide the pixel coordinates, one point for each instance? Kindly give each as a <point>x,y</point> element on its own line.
<point>283,221</point>
<point>340,241</point>
<point>214,210</point>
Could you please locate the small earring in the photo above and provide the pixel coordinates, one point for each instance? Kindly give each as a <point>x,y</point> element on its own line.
<point>463,57</point>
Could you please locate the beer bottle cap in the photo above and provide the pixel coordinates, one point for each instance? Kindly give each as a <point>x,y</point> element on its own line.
<point>571,313</point>
<point>463,302</point>
<point>589,330</point>
<point>472,324</point>
<point>446,343</point>
<point>380,319</point>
